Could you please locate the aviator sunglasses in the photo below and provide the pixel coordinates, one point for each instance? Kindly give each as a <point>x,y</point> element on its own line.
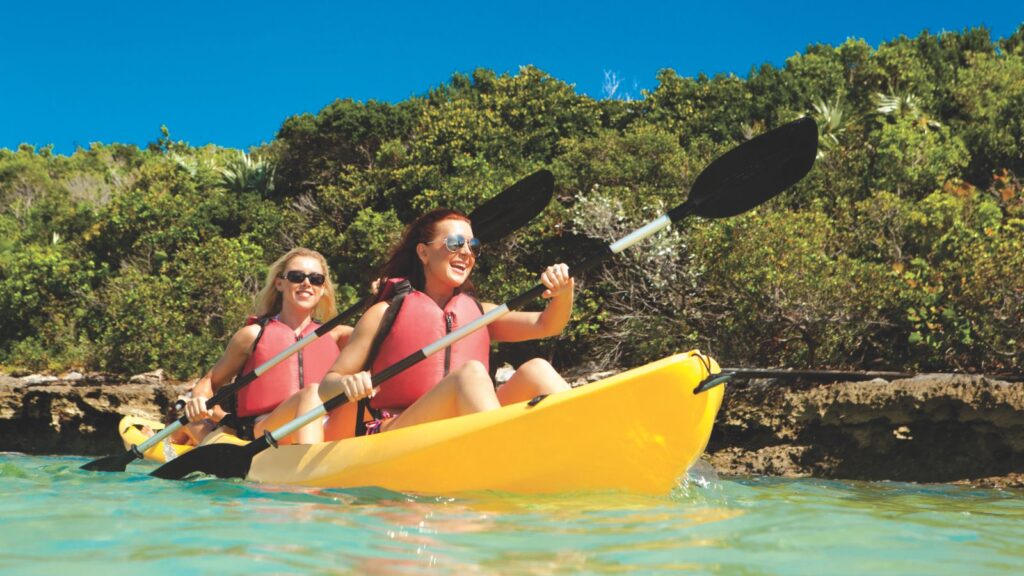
<point>297,276</point>
<point>455,242</point>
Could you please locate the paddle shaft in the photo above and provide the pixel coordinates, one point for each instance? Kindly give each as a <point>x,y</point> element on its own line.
<point>817,375</point>
<point>649,229</point>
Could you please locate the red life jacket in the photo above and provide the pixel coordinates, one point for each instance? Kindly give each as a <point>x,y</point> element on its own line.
<point>418,323</point>
<point>274,386</point>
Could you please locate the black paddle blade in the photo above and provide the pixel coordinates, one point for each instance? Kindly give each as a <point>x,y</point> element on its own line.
<point>116,463</point>
<point>220,460</point>
<point>514,207</point>
<point>753,172</point>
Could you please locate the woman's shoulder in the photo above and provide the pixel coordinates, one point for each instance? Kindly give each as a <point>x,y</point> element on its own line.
<point>341,333</point>
<point>370,319</point>
<point>246,335</point>
<point>377,310</point>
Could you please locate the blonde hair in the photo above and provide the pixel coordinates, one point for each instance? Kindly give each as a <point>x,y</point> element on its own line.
<point>268,300</point>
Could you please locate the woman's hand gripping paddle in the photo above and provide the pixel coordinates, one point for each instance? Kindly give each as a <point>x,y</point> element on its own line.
<point>503,214</point>
<point>737,181</point>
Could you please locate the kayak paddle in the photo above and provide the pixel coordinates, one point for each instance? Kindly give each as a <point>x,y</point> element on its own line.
<point>510,210</point>
<point>735,182</point>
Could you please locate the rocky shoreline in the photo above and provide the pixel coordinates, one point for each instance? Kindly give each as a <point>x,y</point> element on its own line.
<point>930,428</point>
<point>75,413</point>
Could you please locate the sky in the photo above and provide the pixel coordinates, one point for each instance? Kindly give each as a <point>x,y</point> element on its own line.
<point>230,72</point>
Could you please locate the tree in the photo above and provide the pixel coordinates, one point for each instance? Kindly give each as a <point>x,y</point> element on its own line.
<point>912,158</point>
<point>989,93</point>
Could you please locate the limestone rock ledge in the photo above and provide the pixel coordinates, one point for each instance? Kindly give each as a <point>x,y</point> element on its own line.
<point>78,415</point>
<point>930,428</point>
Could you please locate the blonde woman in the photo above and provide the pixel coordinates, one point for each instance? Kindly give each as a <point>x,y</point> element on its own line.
<point>297,296</point>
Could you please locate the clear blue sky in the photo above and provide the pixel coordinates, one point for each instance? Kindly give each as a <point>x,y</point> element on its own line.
<point>230,72</point>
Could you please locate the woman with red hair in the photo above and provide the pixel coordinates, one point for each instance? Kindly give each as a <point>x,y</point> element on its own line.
<point>436,255</point>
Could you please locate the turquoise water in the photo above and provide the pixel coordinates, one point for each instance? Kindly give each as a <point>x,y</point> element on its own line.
<point>56,519</point>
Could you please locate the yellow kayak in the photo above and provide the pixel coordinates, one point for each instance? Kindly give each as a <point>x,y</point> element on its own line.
<point>638,431</point>
<point>132,431</point>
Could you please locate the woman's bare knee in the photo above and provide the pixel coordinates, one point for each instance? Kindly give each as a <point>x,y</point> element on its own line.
<point>538,366</point>
<point>471,374</point>
<point>542,376</point>
<point>533,378</point>
<point>474,388</point>
<point>472,369</point>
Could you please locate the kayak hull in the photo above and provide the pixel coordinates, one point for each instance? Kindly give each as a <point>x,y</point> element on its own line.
<point>638,431</point>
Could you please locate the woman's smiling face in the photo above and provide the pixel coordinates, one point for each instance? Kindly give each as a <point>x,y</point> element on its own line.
<point>442,267</point>
<point>304,294</point>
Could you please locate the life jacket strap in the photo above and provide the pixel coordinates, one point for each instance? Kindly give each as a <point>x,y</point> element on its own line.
<point>400,290</point>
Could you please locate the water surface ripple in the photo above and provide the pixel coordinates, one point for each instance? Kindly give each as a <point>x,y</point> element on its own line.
<point>59,519</point>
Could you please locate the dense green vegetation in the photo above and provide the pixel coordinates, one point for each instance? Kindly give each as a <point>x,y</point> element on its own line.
<point>903,248</point>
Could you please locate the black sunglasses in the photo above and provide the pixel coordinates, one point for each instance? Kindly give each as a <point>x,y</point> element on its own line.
<point>455,242</point>
<point>297,276</point>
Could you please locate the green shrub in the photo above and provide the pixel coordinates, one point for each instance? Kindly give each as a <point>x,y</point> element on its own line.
<point>901,248</point>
